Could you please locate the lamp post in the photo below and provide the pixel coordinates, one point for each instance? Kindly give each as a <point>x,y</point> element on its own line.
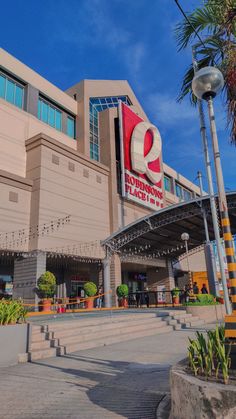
<point>185,238</point>
<point>206,83</point>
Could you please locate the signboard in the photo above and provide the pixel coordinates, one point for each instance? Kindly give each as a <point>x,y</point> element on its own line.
<point>141,163</point>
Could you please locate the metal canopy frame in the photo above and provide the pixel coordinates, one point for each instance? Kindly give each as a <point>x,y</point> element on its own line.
<point>159,234</point>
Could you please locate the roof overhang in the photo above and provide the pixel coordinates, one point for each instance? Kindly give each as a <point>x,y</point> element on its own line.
<point>159,234</point>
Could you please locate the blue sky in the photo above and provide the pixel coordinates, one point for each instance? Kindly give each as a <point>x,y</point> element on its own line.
<point>66,41</point>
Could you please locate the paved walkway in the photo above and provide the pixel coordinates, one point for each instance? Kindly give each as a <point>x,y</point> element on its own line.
<point>125,380</point>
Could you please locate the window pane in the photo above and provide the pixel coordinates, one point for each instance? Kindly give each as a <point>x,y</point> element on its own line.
<point>167,184</point>
<point>51,120</point>
<point>71,127</point>
<point>2,86</point>
<point>19,96</point>
<point>10,91</point>
<point>44,112</point>
<point>58,120</point>
<point>187,195</point>
<point>39,108</point>
<point>178,190</point>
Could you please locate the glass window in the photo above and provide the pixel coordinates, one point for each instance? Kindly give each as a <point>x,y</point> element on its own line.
<point>10,93</point>
<point>71,127</point>
<point>44,112</point>
<point>51,119</point>
<point>58,120</point>
<point>167,183</point>
<point>178,190</point>
<point>97,105</point>
<point>19,96</point>
<point>187,195</point>
<point>2,86</point>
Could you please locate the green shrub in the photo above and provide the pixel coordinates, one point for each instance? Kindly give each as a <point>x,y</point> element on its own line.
<point>175,292</point>
<point>122,291</point>
<point>12,312</point>
<point>207,354</point>
<point>90,289</point>
<point>206,299</point>
<point>47,284</point>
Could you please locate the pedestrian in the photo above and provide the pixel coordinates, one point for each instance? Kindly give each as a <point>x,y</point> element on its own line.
<point>187,292</point>
<point>137,296</point>
<point>195,288</point>
<point>146,297</point>
<point>99,299</point>
<point>204,289</point>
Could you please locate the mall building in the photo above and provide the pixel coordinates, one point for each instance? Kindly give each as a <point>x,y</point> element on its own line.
<point>61,174</point>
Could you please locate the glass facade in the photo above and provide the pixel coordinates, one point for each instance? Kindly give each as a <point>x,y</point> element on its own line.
<point>11,91</point>
<point>182,193</point>
<point>70,128</point>
<point>167,183</point>
<point>49,114</point>
<point>96,105</point>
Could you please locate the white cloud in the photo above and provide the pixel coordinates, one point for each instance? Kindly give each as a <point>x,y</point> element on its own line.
<point>165,109</point>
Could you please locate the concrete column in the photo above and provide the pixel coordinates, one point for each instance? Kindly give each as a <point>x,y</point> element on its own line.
<point>211,269</point>
<point>27,271</point>
<point>107,280</point>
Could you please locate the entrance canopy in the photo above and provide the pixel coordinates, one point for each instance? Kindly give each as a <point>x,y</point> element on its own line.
<point>159,234</point>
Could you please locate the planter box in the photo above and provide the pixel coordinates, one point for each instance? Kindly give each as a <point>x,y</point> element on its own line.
<point>210,314</point>
<point>14,341</point>
<point>194,398</point>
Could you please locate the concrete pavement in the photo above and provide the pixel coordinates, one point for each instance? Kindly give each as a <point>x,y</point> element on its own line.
<point>124,380</point>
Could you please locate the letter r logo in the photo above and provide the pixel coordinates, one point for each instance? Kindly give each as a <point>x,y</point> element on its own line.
<point>138,160</point>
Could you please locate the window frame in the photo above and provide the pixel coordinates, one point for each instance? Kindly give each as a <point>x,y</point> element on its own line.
<point>16,83</point>
<point>56,110</point>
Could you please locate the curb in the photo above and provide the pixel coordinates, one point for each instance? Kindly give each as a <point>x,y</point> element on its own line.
<point>164,407</point>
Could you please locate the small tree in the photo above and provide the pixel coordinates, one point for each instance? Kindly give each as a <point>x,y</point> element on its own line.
<point>47,284</point>
<point>122,291</point>
<point>90,289</point>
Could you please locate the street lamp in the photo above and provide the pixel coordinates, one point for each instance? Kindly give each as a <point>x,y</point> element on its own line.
<point>185,238</point>
<point>206,83</point>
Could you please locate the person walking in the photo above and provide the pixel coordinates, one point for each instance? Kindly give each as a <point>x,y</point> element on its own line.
<point>146,297</point>
<point>99,299</point>
<point>204,289</point>
<point>195,288</point>
<point>137,296</point>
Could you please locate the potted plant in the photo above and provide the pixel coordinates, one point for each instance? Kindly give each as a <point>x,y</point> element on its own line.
<point>47,288</point>
<point>122,292</point>
<point>175,295</point>
<point>90,290</point>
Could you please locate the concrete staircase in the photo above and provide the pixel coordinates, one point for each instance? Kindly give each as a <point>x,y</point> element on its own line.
<point>62,337</point>
<point>182,320</point>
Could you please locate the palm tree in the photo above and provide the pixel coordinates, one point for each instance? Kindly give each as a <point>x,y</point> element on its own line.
<point>215,23</point>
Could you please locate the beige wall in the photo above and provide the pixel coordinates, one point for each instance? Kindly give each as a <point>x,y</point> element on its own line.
<point>14,211</point>
<point>16,126</point>
<point>58,191</point>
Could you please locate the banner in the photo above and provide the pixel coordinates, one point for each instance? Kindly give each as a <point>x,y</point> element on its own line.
<point>141,164</point>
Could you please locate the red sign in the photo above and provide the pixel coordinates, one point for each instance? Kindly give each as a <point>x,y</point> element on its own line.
<point>140,159</point>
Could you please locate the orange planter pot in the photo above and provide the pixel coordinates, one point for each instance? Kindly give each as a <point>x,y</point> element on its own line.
<point>89,304</point>
<point>175,300</point>
<point>46,304</point>
<point>123,302</point>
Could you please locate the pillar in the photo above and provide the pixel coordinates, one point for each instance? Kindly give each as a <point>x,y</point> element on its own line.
<point>107,280</point>
<point>27,271</point>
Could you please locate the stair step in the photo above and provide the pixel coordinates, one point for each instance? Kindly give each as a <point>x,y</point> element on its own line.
<point>172,322</point>
<point>73,324</point>
<point>177,327</point>
<point>182,315</point>
<point>102,327</point>
<point>40,345</point>
<point>39,337</point>
<point>41,354</point>
<point>194,323</point>
<point>114,339</point>
<point>130,329</point>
